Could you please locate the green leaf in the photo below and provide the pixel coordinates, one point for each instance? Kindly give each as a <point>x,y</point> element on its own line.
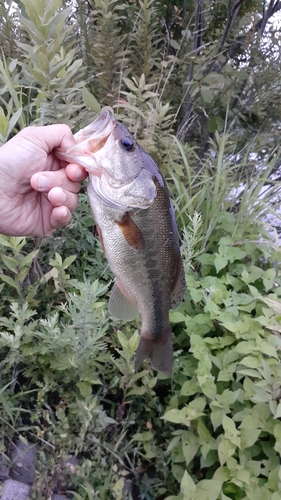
<point>220,262</point>
<point>190,446</point>
<point>188,487</point>
<point>249,436</point>
<point>173,497</point>
<point>190,387</point>
<point>278,411</point>
<point>230,430</point>
<point>208,488</point>
<point>273,304</point>
<point>177,317</point>
<point>143,436</point>
<point>90,100</point>
<point>57,262</point>
<point>9,281</point>
<point>130,84</point>
<point>28,258</point>
<point>212,124</point>
<point>225,450</point>
<point>196,408</point>
<point>177,416</point>
<point>23,273</point>
<point>196,295</point>
<point>217,415</point>
<point>174,44</point>
<point>123,340</point>
<point>220,124</point>
<point>212,308</point>
<point>13,121</point>
<point>133,343</point>
<point>4,124</point>
<point>137,391</point>
<point>66,263</point>
<point>85,389</point>
<point>206,94</point>
<point>10,263</point>
<point>250,362</point>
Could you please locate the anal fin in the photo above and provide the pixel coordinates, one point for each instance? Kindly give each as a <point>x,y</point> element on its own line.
<point>120,306</point>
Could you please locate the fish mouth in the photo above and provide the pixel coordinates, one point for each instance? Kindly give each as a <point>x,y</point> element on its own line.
<point>89,140</point>
<point>100,127</point>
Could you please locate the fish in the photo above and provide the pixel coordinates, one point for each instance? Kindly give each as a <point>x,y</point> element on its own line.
<point>137,228</point>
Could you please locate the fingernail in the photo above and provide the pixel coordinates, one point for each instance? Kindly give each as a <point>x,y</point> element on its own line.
<point>63,197</point>
<point>79,174</point>
<point>42,182</point>
<point>64,214</point>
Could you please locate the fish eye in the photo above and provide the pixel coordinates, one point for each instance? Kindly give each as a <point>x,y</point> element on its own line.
<point>127,144</point>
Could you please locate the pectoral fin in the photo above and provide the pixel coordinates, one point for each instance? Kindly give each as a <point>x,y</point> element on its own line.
<point>131,232</point>
<point>120,306</point>
<point>179,286</point>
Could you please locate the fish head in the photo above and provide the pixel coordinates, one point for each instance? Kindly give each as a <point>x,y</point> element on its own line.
<point>121,173</point>
<point>89,141</point>
<point>127,172</point>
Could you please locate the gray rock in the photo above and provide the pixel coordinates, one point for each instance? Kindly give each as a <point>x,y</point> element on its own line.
<point>5,465</point>
<point>14,490</point>
<point>23,458</point>
<point>59,497</point>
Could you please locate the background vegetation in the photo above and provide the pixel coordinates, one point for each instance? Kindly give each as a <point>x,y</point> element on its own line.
<point>198,83</point>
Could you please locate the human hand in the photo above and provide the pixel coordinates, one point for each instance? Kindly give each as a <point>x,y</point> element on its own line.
<point>37,190</point>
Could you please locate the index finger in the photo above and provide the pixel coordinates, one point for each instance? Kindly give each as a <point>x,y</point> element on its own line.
<point>50,136</point>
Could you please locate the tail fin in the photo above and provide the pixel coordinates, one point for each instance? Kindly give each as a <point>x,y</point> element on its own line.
<point>160,353</point>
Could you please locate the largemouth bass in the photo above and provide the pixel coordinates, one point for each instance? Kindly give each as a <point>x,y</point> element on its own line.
<point>138,232</point>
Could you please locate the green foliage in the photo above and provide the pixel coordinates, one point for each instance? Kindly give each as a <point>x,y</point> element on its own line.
<point>227,399</point>
<point>67,380</point>
<point>213,433</point>
<point>108,53</point>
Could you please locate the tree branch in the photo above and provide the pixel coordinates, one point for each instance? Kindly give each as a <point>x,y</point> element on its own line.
<point>197,43</point>
<point>231,19</point>
<point>230,51</point>
<point>274,6</point>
